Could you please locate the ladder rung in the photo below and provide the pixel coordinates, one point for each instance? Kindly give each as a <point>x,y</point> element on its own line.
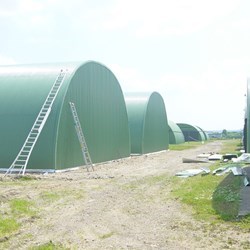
<point>30,140</point>
<point>81,137</point>
<point>44,110</point>
<point>17,160</point>
<point>35,131</point>
<point>22,154</point>
<point>33,134</point>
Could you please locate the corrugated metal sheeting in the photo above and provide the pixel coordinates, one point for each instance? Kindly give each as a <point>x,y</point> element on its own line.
<point>175,134</point>
<point>247,118</point>
<point>147,122</point>
<point>114,127</point>
<point>99,101</point>
<point>206,136</point>
<point>191,133</point>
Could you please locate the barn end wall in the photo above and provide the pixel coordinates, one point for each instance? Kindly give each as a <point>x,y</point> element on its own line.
<point>98,99</point>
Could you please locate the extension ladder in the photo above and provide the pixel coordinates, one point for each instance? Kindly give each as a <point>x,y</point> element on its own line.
<point>81,138</point>
<point>23,156</point>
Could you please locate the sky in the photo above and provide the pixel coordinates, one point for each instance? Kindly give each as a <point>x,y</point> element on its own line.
<point>195,53</point>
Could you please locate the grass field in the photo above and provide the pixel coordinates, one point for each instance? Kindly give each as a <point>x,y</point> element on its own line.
<point>213,198</point>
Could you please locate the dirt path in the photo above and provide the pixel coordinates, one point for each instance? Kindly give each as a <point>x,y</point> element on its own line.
<point>124,204</point>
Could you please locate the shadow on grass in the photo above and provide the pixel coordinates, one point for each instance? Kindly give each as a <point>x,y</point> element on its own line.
<point>226,197</point>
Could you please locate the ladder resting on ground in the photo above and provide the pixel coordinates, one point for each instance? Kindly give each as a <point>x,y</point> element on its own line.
<point>81,138</point>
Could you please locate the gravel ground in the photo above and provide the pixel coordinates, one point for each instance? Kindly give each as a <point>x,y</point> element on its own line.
<point>118,206</point>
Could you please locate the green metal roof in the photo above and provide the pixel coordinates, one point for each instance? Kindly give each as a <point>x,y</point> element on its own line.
<point>99,102</point>
<point>147,122</point>
<point>206,136</point>
<point>191,133</point>
<point>175,134</point>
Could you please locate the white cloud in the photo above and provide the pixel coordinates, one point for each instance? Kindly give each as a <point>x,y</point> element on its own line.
<point>6,60</point>
<point>131,80</point>
<point>219,56</point>
<point>7,8</point>
<point>165,17</point>
<point>31,6</point>
<point>212,99</point>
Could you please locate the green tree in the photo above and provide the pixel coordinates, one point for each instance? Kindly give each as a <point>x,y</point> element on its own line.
<point>224,133</point>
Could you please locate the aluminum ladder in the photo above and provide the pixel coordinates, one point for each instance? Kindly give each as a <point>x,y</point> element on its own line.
<point>21,161</point>
<point>81,138</point>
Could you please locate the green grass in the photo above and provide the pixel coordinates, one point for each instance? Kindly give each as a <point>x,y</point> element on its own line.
<point>186,145</point>
<point>197,192</point>
<point>213,198</point>
<point>231,146</point>
<point>8,226</point>
<point>48,246</point>
<point>26,178</point>
<point>69,194</point>
<point>226,197</point>
<point>107,235</point>
<point>50,196</point>
<point>20,207</point>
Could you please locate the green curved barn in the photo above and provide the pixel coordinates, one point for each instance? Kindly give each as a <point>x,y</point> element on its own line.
<point>175,134</point>
<point>147,122</point>
<point>99,102</point>
<point>206,136</point>
<point>191,133</point>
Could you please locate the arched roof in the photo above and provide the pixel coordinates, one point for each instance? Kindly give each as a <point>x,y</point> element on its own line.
<point>147,122</point>
<point>175,134</point>
<point>206,136</point>
<point>191,132</point>
<point>99,102</point>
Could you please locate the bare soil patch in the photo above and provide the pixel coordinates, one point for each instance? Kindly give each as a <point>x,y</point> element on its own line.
<point>121,205</point>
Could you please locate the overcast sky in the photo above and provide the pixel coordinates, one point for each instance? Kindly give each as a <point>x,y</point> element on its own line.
<point>195,53</point>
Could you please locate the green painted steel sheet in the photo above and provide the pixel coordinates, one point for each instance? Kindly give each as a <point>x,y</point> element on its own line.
<point>148,122</point>
<point>97,96</point>
<point>247,118</point>
<point>191,133</point>
<point>175,134</point>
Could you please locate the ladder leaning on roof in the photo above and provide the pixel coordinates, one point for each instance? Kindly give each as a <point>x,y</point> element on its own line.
<point>81,138</point>
<point>21,161</point>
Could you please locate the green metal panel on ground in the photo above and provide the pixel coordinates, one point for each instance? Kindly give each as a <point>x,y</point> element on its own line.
<point>99,102</point>
<point>175,134</point>
<point>147,122</point>
<point>191,133</point>
<point>247,118</point>
<point>245,128</point>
